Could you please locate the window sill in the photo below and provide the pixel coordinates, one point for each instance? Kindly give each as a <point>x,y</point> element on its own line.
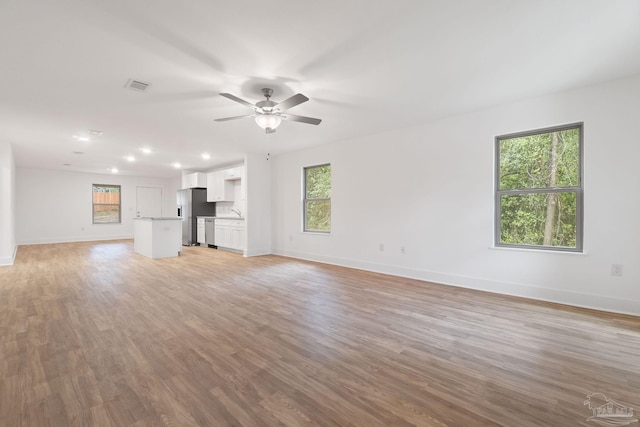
<point>316,233</point>
<point>544,251</point>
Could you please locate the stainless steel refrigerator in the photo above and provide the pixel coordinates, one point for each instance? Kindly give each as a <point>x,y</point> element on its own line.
<point>192,203</point>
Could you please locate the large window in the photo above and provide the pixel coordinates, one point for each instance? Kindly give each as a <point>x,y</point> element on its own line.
<point>106,204</point>
<point>317,198</point>
<point>539,189</point>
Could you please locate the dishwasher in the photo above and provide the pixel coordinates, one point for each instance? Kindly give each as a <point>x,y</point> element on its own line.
<point>209,230</point>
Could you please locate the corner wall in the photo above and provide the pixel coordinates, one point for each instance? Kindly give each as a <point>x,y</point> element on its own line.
<point>430,190</point>
<point>7,205</point>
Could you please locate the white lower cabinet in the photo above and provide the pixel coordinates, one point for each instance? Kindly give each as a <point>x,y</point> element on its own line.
<point>230,233</point>
<point>236,237</point>
<point>201,234</point>
<point>222,235</point>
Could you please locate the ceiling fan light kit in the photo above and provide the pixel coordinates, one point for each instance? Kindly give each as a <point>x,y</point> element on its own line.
<point>268,114</point>
<point>268,121</point>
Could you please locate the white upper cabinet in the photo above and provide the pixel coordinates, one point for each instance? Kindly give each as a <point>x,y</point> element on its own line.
<point>233,174</point>
<point>196,180</point>
<point>219,189</point>
<point>221,184</point>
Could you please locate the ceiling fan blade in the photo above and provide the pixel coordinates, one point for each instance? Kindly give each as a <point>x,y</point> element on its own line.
<point>302,119</point>
<point>239,100</point>
<point>233,118</point>
<point>291,102</point>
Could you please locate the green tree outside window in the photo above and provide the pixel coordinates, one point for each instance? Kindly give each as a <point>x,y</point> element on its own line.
<point>539,189</point>
<point>317,198</point>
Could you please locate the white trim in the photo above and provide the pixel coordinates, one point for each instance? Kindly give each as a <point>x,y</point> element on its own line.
<point>9,260</point>
<point>257,252</point>
<point>532,250</point>
<point>595,302</point>
<point>76,239</point>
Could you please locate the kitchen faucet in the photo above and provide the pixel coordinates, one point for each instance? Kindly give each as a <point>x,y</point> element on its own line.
<point>237,212</point>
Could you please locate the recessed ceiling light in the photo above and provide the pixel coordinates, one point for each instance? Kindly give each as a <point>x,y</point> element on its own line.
<point>113,170</point>
<point>82,138</point>
<point>95,132</point>
<point>130,158</point>
<point>146,150</point>
<point>176,165</point>
<point>206,156</point>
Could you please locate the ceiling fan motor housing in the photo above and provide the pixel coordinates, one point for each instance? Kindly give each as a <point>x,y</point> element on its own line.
<point>266,106</point>
<point>267,92</point>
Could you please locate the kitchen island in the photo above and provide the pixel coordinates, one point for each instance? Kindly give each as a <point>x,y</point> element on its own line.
<point>157,237</point>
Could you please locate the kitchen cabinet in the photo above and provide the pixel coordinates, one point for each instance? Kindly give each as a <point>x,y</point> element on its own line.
<point>195,180</point>
<point>237,235</point>
<point>230,233</point>
<point>221,184</point>
<point>233,174</point>
<point>219,189</point>
<point>157,237</point>
<point>222,234</point>
<point>201,232</point>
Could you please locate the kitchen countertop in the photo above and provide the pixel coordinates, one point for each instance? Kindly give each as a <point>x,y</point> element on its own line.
<point>220,217</point>
<point>158,218</point>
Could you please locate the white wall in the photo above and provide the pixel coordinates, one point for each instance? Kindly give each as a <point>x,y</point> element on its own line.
<point>55,206</point>
<point>430,188</point>
<point>258,204</point>
<point>7,205</point>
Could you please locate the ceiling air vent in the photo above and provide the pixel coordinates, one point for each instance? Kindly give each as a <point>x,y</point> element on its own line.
<point>138,85</point>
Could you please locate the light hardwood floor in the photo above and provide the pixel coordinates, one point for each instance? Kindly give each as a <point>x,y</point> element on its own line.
<point>92,334</point>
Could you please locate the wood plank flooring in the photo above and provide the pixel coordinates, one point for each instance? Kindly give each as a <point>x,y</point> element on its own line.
<point>92,334</point>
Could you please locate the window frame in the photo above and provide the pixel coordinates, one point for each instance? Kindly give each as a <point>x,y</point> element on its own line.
<point>93,204</point>
<point>578,190</point>
<point>305,200</point>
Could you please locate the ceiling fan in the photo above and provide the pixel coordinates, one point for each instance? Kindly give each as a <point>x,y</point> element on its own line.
<point>268,114</point>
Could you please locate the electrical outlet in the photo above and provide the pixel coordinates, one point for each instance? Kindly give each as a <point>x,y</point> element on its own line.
<point>381,247</point>
<point>402,250</point>
<point>616,270</point>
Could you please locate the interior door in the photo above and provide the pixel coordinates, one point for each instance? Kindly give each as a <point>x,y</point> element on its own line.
<point>148,202</point>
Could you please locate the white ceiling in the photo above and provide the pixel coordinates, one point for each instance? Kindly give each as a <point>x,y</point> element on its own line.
<point>368,66</point>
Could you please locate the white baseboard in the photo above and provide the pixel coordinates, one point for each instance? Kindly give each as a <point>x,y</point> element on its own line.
<point>9,260</point>
<point>257,252</point>
<point>75,239</point>
<point>596,302</point>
